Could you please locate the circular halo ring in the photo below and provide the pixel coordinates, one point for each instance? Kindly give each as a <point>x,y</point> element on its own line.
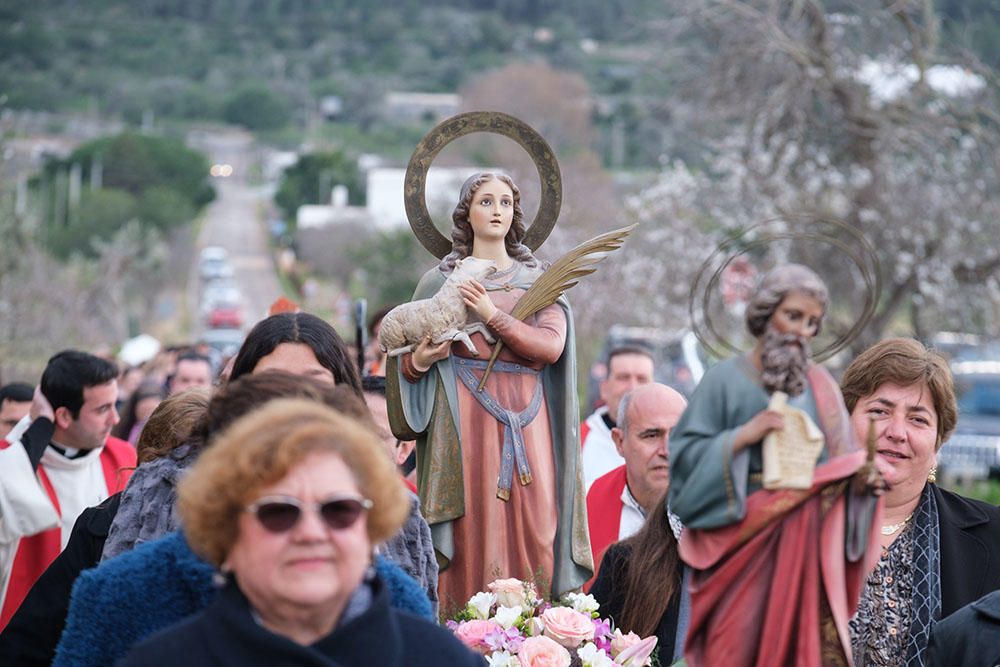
<point>468,123</point>
<point>701,296</point>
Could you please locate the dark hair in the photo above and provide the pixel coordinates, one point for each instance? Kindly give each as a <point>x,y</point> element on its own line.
<point>148,389</point>
<point>322,339</point>
<point>68,373</point>
<point>18,392</point>
<point>629,349</point>
<point>377,317</point>
<point>243,395</point>
<point>373,384</point>
<point>192,355</point>
<point>904,362</point>
<point>653,574</point>
<point>462,235</point>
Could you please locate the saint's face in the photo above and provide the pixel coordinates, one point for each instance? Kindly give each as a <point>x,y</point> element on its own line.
<point>492,210</point>
<point>799,314</point>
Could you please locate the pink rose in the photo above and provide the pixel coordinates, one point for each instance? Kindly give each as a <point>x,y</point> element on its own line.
<point>513,592</point>
<point>568,627</point>
<point>542,652</point>
<point>473,634</point>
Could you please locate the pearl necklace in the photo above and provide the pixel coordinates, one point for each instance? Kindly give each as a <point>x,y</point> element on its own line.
<point>891,529</point>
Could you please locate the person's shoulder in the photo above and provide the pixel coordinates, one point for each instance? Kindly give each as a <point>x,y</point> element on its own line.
<point>968,511</point>
<point>609,483</point>
<point>429,643</point>
<point>162,559</point>
<point>97,520</point>
<point>405,594</point>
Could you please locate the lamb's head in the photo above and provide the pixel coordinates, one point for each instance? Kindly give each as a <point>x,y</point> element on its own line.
<point>472,268</point>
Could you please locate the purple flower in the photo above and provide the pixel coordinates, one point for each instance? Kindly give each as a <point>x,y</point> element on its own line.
<point>602,634</point>
<point>504,640</point>
<point>452,625</point>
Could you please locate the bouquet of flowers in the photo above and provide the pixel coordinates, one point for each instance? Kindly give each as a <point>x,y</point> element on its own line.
<point>512,627</point>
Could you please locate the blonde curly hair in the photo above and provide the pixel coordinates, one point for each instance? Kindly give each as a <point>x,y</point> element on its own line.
<point>260,449</point>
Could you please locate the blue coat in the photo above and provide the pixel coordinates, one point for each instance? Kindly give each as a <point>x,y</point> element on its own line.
<point>128,598</point>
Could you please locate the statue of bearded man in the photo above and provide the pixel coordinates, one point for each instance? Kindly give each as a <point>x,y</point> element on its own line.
<point>776,574</point>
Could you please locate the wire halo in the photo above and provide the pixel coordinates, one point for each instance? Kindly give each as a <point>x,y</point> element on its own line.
<point>864,258</point>
<point>469,123</point>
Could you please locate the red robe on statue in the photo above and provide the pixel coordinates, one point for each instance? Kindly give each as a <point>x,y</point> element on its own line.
<point>780,575</point>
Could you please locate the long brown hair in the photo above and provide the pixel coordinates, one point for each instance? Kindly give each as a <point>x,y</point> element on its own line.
<point>461,233</point>
<point>654,573</point>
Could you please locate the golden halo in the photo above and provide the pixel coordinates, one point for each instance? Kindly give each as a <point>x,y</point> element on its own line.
<point>468,123</point>
<point>707,281</point>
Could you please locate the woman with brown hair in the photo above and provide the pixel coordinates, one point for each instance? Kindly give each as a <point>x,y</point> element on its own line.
<point>939,549</point>
<point>640,584</point>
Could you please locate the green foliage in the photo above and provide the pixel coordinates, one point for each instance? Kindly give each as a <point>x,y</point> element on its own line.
<point>393,262</point>
<point>135,163</point>
<point>100,215</point>
<point>310,180</point>
<point>157,181</point>
<point>257,109</point>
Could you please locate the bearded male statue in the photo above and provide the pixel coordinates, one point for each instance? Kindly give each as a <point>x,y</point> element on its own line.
<point>776,574</point>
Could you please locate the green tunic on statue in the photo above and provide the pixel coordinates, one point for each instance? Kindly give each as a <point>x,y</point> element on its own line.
<point>708,485</point>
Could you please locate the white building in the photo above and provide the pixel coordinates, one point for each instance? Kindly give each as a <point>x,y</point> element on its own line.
<point>385,194</point>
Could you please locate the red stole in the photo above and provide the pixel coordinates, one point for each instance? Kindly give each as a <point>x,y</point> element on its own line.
<point>776,588</point>
<point>36,552</point>
<point>604,514</point>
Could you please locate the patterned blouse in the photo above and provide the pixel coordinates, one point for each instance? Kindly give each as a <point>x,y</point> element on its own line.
<point>880,629</point>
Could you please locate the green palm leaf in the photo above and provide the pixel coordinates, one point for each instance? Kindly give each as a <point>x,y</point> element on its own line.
<point>564,273</point>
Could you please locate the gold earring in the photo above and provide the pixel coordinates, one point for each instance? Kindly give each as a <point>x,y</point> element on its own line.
<point>932,476</point>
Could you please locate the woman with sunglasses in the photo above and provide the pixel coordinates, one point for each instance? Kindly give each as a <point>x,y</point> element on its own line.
<point>162,580</point>
<point>288,505</point>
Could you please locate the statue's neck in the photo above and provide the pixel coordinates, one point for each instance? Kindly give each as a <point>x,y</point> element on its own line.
<point>493,250</point>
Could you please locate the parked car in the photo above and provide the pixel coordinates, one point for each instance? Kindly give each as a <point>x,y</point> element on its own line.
<point>225,316</point>
<point>213,263</point>
<point>226,341</point>
<point>974,449</point>
<point>680,360</point>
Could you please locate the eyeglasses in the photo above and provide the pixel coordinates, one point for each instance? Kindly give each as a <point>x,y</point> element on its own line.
<point>279,514</point>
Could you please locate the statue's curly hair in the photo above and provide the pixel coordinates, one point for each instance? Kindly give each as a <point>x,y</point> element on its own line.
<point>462,235</point>
<point>775,286</point>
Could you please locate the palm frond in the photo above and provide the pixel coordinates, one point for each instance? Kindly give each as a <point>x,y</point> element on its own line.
<point>563,274</point>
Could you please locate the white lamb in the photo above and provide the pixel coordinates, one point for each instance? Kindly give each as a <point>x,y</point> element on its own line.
<point>444,316</point>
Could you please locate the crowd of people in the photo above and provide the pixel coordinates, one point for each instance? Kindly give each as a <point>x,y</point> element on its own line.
<point>285,508</point>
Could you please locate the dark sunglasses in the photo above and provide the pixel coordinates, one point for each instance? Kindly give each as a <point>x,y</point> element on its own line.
<point>279,514</point>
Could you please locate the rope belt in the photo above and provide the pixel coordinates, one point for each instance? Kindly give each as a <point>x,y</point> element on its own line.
<point>513,422</point>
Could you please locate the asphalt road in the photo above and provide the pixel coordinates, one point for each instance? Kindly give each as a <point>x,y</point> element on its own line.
<point>235,222</point>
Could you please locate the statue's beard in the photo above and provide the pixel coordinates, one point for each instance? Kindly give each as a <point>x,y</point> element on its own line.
<point>784,361</point>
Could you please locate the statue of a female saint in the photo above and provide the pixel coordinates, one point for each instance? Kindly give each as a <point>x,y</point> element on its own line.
<point>498,467</point>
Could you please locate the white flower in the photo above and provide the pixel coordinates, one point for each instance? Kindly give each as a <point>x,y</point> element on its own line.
<point>535,627</point>
<point>591,656</point>
<point>502,659</point>
<point>585,604</point>
<point>481,603</point>
<point>507,616</point>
